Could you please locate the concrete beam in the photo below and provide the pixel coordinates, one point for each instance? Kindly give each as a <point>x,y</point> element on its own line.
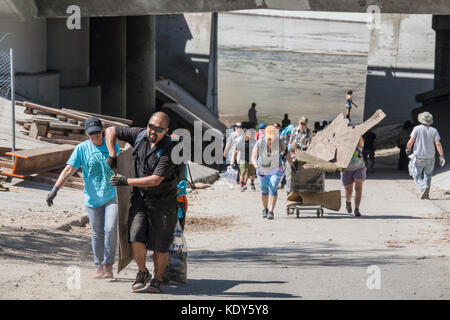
<point>140,68</point>
<point>57,8</point>
<point>18,9</point>
<point>108,62</point>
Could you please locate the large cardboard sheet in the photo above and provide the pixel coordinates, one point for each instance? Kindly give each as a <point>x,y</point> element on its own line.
<point>125,166</point>
<point>338,141</point>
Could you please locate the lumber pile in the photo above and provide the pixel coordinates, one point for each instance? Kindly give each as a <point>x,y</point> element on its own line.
<point>61,126</point>
<point>42,165</point>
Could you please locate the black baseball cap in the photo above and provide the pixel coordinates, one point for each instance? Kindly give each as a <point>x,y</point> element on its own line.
<point>92,124</point>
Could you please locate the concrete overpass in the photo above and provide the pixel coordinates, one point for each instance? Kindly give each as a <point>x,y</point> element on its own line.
<point>112,63</point>
<point>58,8</point>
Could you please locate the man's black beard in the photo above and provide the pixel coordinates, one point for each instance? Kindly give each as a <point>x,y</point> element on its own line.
<point>152,139</point>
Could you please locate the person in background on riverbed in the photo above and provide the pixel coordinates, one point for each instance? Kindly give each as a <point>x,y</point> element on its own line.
<point>424,138</point>
<point>285,122</point>
<point>99,196</point>
<point>252,116</point>
<point>348,104</point>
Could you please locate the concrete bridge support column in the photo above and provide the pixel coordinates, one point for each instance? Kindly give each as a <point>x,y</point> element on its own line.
<point>28,39</point>
<point>441,24</point>
<point>68,53</point>
<point>140,68</point>
<point>108,62</point>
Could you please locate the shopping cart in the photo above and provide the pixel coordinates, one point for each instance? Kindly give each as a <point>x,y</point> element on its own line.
<point>306,180</point>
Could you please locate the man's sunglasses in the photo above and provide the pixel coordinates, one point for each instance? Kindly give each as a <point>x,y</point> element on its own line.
<point>157,129</point>
<point>94,133</point>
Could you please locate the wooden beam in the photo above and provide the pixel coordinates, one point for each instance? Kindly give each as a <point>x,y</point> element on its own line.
<point>27,162</point>
<point>102,116</point>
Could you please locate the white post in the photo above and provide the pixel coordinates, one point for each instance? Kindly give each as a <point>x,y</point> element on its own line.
<point>13,102</point>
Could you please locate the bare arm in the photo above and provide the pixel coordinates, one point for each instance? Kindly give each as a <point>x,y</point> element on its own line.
<point>439,147</point>
<point>361,142</point>
<point>149,181</point>
<point>255,157</point>
<point>110,140</point>
<point>67,172</point>
<point>289,159</point>
<point>410,143</point>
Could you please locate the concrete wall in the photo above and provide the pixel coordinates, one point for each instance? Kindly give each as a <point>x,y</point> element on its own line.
<point>28,38</point>
<point>183,51</point>
<point>400,65</point>
<point>108,62</point>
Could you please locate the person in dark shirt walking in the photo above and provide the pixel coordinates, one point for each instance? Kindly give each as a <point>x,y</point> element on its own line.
<point>285,122</point>
<point>368,151</point>
<point>153,211</point>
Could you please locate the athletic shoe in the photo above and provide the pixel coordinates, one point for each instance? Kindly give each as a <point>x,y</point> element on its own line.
<point>265,211</point>
<point>108,272</point>
<point>155,286</point>
<point>98,273</point>
<point>425,194</point>
<point>348,206</point>
<point>142,278</point>
<point>243,188</point>
<point>357,213</point>
<point>270,216</point>
<point>253,187</point>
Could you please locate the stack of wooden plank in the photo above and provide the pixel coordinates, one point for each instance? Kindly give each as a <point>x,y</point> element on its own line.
<point>61,126</point>
<point>40,164</point>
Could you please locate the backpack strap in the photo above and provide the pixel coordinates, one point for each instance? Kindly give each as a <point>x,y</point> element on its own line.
<point>139,138</point>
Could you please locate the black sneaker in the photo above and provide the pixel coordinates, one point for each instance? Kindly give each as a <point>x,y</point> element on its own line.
<point>141,279</point>
<point>349,206</point>
<point>270,216</point>
<point>357,213</point>
<point>155,286</point>
<point>265,211</point>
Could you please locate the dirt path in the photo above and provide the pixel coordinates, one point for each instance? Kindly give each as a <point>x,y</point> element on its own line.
<point>235,254</point>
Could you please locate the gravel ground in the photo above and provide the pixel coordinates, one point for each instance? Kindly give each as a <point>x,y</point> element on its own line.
<point>398,249</point>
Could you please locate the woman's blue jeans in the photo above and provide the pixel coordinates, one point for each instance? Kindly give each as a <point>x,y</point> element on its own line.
<point>103,220</point>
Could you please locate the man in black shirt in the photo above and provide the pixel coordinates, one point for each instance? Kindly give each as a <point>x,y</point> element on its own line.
<point>152,215</point>
<point>369,150</point>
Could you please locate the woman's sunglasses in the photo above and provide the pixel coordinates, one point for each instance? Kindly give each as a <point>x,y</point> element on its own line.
<point>157,129</point>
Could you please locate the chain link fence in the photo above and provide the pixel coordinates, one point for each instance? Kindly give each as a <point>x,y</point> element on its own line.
<point>7,87</point>
<point>5,74</point>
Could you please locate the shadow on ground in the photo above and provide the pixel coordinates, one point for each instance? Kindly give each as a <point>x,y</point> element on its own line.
<point>323,254</point>
<point>44,246</point>
<point>220,288</point>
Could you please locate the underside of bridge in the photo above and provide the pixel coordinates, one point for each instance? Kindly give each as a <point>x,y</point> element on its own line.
<point>128,51</point>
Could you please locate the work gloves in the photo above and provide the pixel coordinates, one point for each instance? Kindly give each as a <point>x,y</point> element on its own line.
<point>235,166</point>
<point>442,161</point>
<point>118,180</point>
<point>112,162</point>
<point>52,196</point>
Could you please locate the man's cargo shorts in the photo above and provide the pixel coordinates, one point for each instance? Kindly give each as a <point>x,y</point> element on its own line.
<point>152,221</point>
